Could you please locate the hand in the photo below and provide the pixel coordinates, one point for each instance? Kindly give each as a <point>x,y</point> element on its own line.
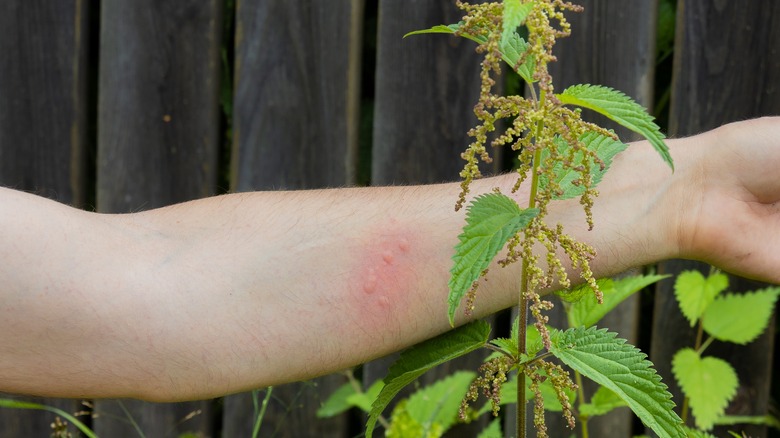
<point>733,217</point>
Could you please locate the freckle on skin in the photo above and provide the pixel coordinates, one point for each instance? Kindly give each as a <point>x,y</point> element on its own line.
<point>403,245</point>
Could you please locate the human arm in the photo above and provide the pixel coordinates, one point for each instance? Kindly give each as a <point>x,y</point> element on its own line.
<point>246,290</point>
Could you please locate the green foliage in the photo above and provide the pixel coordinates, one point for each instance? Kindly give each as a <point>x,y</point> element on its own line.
<point>346,397</point>
<point>709,383</point>
<point>587,311</point>
<point>515,13</point>
<point>491,220</point>
<point>512,46</point>
<point>740,318</point>
<point>619,108</point>
<point>420,358</point>
<point>623,369</point>
<point>602,402</point>
<point>436,406</point>
<point>569,180</point>
<point>19,404</point>
<point>492,431</point>
<point>403,425</point>
<point>695,293</point>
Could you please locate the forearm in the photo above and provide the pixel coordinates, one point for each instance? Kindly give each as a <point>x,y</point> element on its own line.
<point>247,290</point>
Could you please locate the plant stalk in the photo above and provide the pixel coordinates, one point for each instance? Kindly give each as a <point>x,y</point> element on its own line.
<point>522,310</point>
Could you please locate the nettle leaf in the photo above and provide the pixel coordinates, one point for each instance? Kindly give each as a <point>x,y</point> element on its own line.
<point>441,28</point>
<point>602,402</point>
<point>740,318</point>
<point>620,108</point>
<point>605,148</point>
<point>438,404</point>
<point>512,50</point>
<point>695,293</point>
<point>515,12</point>
<point>491,220</point>
<point>420,358</point>
<point>709,383</point>
<point>511,45</point>
<point>623,369</point>
<point>587,312</point>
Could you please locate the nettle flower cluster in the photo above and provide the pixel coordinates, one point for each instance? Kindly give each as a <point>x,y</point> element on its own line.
<point>546,137</point>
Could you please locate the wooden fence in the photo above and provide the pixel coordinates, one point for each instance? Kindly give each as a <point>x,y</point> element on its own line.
<point>121,106</point>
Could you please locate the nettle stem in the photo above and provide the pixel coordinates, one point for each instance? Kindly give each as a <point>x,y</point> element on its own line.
<point>522,309</point>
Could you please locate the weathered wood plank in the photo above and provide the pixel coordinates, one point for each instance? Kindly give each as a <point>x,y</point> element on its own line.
<point>158,107</point>
<point>296,93</point>
<point>612,46</point>
<point>157,143</point>
<point>726,69</point>
<point>426,87</point>
<point>295,126</point>
<point>43,129</point>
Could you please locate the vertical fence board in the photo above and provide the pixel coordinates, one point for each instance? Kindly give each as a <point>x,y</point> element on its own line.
<point>157,144</point>
<point>296,97</point>
<point>43,129</point>
<point>296,119</point>
<point>615,47</point>
<point>726,68</point>
<point>426,87</point>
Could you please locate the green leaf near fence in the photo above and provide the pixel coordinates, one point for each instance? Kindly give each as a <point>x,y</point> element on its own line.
<point>491,220</point>
<point>602,402</point>
<point>709,384</point>
<point>588,312</point>
<point>725,319</point>
<point>420,358</point>
<point>623,369</point>
<point>619,108</point>
<point>695,293</point>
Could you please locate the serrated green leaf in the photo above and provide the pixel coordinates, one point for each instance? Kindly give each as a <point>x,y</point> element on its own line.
<point>439,402</point>
<point>693,433</point>
<point>695,293</point>
<point>515,13</point>
<point>602,402</point>
<point>420,358</point>
<point>620,108</point>
<point>605,148</point>
<point>512,47</point>
<point>491,220</point>
<point>587,312</point>
<point>740,318</point>
<point>512,50</point>
<point>709,383</point>
<point>622,368</point>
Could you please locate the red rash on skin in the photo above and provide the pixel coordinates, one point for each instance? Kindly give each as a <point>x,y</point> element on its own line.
<point>383,277</point>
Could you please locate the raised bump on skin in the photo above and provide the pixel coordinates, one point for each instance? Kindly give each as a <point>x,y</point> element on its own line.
<point>369,286</point>
<point>403,245</point>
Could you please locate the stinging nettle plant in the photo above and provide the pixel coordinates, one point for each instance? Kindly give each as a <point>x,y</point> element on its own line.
<point>561,157</point>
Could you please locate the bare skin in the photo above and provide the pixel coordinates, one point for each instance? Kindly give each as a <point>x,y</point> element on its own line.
<point>242,291</point>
